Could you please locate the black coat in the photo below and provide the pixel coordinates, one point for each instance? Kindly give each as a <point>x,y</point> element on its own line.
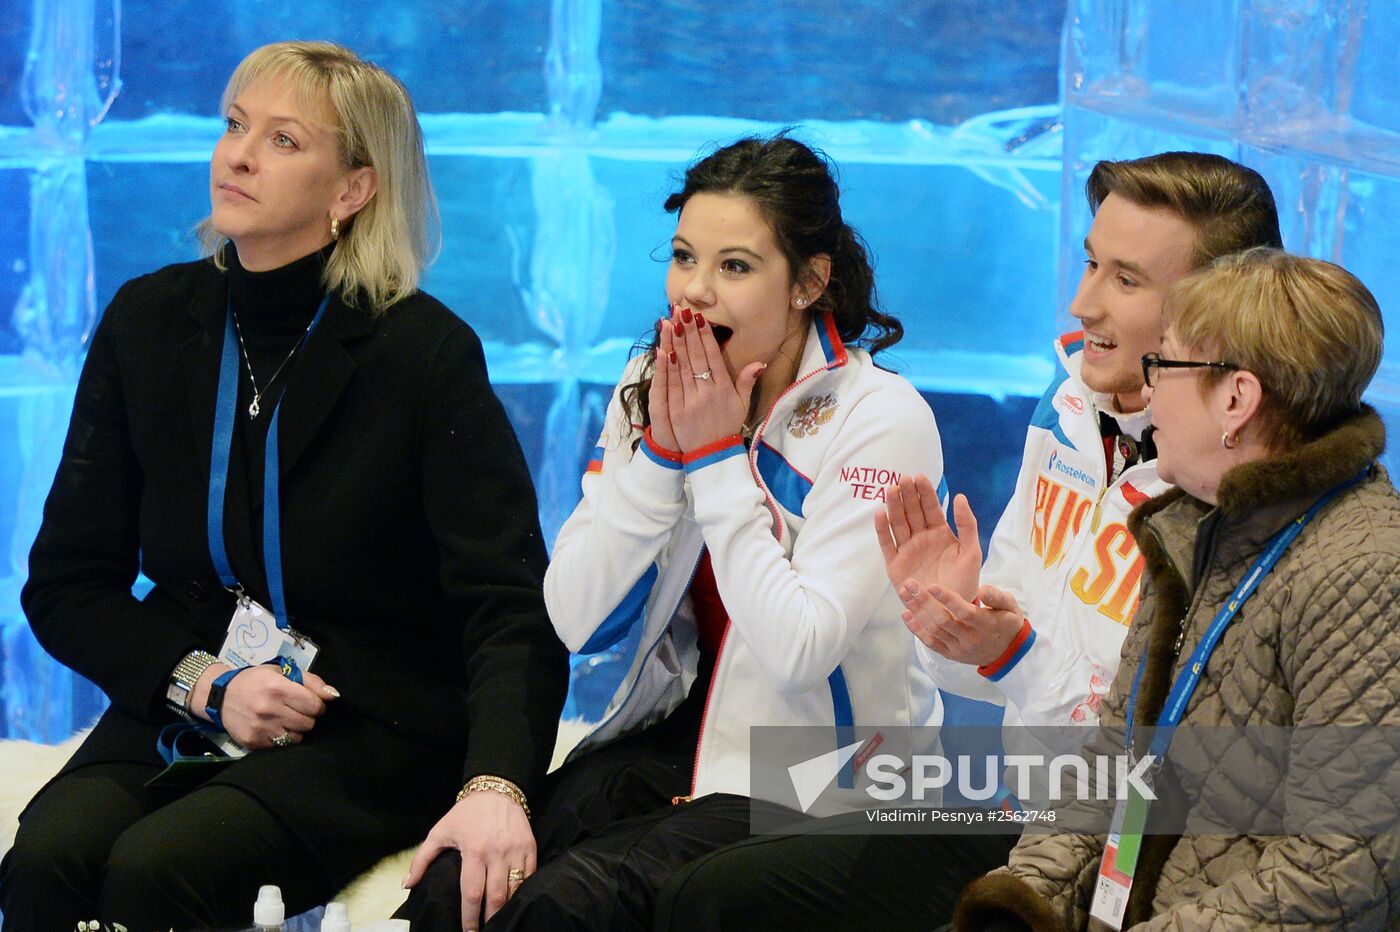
<point>411,552</point>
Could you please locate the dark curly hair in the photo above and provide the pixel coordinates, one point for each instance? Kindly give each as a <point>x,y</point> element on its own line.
<point>794,188</point>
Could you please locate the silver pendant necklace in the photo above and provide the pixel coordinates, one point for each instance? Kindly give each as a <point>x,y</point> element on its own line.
<point>255,408</point>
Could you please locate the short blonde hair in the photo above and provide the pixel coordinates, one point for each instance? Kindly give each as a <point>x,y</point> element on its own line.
<point>383,250</point>
<point>1309,330</point>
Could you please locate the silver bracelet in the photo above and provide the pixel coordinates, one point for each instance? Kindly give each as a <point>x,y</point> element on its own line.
<point>187,672</point>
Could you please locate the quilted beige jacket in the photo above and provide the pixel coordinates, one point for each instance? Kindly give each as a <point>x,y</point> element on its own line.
<point>1318,643</point>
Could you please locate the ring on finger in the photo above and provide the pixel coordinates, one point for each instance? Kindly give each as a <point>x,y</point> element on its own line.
<point>283,740</point>
<point>515,875</point>
<point>703,376</point>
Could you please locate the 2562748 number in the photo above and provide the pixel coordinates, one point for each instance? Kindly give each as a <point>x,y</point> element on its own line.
<point>1022,816</point>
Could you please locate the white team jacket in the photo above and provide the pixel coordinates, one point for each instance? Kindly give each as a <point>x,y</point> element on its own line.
<point>815,635</point>
<point>1062,548</point>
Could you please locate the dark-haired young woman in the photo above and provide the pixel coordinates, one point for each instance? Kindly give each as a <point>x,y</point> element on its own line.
<point>727,512</point>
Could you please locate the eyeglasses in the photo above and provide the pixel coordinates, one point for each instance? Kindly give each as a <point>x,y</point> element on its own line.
<point>1152,361</point>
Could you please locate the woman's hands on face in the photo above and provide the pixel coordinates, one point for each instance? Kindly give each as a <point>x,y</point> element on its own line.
<point>701,402</point>
<point>260,704</point>
<point>663,383</point>
<point>493,835</point>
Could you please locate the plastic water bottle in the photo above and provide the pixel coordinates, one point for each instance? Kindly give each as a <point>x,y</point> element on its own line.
<point>268,911</point>
<point>336,919</point>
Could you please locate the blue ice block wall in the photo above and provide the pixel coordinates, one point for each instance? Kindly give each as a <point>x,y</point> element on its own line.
<point>1302,90</point>
<point>554,132</point>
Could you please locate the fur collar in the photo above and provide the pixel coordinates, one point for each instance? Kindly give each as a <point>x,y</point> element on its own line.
<point>1000,899</point>
<point>1172,602</point>
<point>1308,471</point>
<point>1299,475</point>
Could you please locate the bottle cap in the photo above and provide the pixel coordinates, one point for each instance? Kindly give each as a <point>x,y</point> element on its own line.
<point>336,919</point>
<point>268,910</point>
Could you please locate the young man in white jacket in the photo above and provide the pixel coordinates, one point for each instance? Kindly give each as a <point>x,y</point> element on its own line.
<point>1061,581</point>
<point>1042,627</point>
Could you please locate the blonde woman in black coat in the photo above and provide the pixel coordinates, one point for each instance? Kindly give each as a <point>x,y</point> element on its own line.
<point>293,421</point>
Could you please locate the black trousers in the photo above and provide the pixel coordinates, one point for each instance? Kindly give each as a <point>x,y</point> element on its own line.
<point>608,836</point>
<point>820,881</point>
<point>97,844</point>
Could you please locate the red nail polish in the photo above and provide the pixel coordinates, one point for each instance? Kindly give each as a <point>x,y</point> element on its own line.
<point>699,322</point>
<point>686,315</point>
<point>677,326</point>
<point>673,357</point>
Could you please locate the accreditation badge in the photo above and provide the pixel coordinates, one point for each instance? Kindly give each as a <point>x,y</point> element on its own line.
<point>1120,854</point>
<point>254,638</point>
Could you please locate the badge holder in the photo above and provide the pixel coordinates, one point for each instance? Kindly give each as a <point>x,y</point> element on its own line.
<point>254,638</point>
<point>1120,855</point>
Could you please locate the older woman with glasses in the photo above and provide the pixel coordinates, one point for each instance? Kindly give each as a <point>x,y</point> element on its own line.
<point>1273,571</point>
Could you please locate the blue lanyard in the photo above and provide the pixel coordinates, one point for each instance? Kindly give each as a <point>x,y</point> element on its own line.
<point>225,410</point>
<point>1189,677</point>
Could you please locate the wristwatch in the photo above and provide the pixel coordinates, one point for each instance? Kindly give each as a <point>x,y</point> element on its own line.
<point>214,705</point>
<point>187,673</point>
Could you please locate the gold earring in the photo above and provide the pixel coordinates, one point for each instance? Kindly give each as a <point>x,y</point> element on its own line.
<point>1228,443</point>
<point>335,229</point>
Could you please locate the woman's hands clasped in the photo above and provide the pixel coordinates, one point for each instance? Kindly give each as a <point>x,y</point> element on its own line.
<point>693,401</point>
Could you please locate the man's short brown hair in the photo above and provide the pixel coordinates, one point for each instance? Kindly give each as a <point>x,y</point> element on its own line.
<point>1230,206</point>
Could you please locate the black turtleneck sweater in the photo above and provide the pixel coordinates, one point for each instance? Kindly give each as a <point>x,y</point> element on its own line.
<point>273,310</point>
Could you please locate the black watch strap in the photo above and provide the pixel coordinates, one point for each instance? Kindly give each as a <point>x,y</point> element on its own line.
<point>214,705</point>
